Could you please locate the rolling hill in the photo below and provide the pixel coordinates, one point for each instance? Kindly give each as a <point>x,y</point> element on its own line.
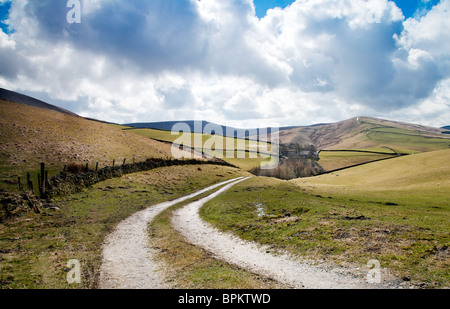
<point>342,144</point>
<point>368,133</point>
<point>204,126</point>
<point>424,171</point>
<point>37,131</point>
<point>30,135</point>
<point>16,97</point>
<point>365,139</point>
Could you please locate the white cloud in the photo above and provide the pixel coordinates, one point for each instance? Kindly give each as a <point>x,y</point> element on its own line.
<point>315,61</point>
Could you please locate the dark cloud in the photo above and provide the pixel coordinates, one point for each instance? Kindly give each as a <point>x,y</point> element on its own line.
<point>155,34</point>
<point>178,98</point>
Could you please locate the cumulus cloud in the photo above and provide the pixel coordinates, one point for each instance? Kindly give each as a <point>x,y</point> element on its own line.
<point>314,61</point>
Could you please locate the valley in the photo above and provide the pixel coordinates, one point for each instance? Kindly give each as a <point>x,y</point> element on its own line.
<point>383,196</point>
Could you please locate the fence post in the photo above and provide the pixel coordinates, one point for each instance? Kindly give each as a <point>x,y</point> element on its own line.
<point>42,180</point>
<point>29,185</point>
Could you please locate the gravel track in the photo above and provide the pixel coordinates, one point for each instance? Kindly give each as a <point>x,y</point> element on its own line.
<point>128,261</point>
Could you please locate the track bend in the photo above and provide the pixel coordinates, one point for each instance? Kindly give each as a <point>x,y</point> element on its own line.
<point>127,257</point>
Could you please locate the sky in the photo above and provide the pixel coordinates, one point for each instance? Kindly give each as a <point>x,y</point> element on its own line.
<point>243,63</point>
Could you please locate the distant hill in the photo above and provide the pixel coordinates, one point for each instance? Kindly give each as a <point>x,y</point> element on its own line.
<point>446,128</point>
<point>369,133</point>
<point>16,97</point>
<point>200,126</point>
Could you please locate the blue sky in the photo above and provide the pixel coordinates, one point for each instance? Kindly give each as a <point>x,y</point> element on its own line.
<point>262,6</point>
<point>409,7</point>
<point>4,10</point>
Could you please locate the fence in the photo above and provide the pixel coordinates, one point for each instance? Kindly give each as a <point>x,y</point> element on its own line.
<point>67,183</point>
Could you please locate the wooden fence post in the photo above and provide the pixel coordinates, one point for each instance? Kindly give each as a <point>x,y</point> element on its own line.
<point>30,187</point>
<point>42,179</point>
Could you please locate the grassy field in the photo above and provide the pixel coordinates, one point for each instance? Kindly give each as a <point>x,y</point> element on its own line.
<point>34,249</point>
<point>333,160</point>
<point>245,154</point>
<point>396,211</point>
<point>32,135</point>
<point>428,171</point>
<point>407,141</point>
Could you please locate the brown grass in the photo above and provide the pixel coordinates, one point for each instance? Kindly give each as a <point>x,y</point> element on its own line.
<point>30,135</point>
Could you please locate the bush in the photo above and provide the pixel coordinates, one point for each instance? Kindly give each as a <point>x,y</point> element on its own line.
<point>291,168</point>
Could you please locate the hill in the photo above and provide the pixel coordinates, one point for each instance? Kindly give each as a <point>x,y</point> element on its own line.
<point>423,172</point>
<point>198,126</point>
<point>16,97</point>
<point>343,144</point>
<point>365,139</point>
<point>368,133</point>
<point>30,135</point>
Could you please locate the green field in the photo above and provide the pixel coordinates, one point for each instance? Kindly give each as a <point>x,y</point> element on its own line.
<point>407,141</point>
<point>246,154</point>
<point>396,211</point>
<point>333,160</point>
<point>428,171</point>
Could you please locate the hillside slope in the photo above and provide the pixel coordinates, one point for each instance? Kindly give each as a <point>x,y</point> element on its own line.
<point>30,135</point>
<point>16,97</point>
<point>369,133</point>
<point>428,171</point>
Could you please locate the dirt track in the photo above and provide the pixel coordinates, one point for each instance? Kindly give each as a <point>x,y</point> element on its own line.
<point>128,260</point>
<point>127,256</point>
